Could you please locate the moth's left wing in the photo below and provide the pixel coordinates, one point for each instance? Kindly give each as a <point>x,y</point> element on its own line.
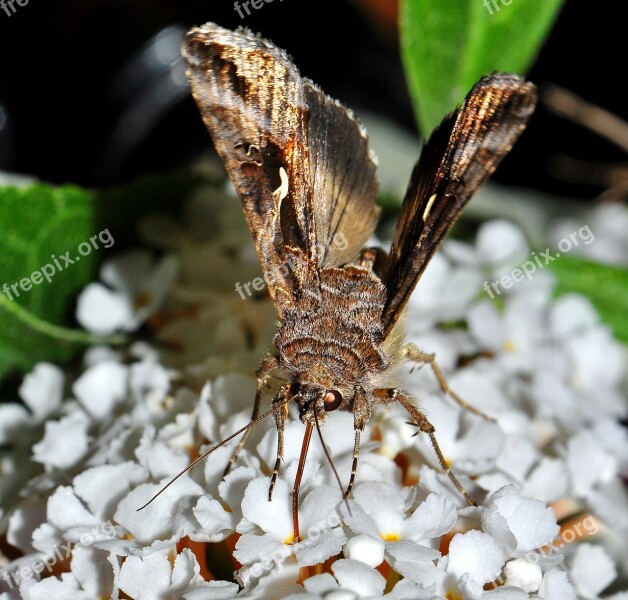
<point>461,153</point>
<point>298,159</point>
<point>252,101</point>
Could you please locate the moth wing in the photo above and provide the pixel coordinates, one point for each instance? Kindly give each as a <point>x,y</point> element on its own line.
<point>252,101</point>
<point>461,153</point>
<point>343,176</point>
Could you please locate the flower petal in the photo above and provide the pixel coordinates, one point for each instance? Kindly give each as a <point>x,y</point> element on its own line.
<point>366,549</point>
<point>592,570</point>
<point>102,487</point>
<point>556,586</point>
<point>216,522</point>
<point>477,554</point>
<point>435,516</point>
<point>92,570</point>
<point>65,442</point>
<point>102,311</point>
<point>101,388</point>
<point>185,572</point>
<point>523,574</point>
<point>169,516</point>
<point>529,522</point>
<point>313,551</point>
<point>145,578</point>
<point>274,516</point>
<point>65,510</point>
<point>357,577</point>
<point>42,390</point>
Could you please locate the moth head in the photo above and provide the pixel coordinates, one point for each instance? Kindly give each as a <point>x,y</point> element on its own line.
<point>316,401</point>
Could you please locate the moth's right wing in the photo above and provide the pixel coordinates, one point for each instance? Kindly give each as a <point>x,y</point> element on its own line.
<point>461,153</point>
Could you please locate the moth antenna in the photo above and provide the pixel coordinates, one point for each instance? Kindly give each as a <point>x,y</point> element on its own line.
<point>206,454</point>
<point>331,462</point>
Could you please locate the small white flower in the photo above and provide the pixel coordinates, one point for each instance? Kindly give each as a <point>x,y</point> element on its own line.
<point>352,576</point>
<point>93,571</point>
<point>474,559</point>
<point>499,246</point>
<point>446,292</point>
<point>592,570</point>
<point>605,224</point>
<point>366,549</point>
<point>167,518</point>
<point>519,524</point>
<point>137,290</point>
<point>523,574</point>
<point>514,336</point>
<point>319,522</point>
<point>152,576</point>
<point>556,586</point>
<point>379,511</point>
<point>42,390</point>
<point>317,469</point>
<point>457,433</point>
<point>588,462</point>
<point>101,388</point>
<point>216,521</point>
<point>475,554</point>
<point>65,441</point>
<point>52,588</point>
<point>42,393</point>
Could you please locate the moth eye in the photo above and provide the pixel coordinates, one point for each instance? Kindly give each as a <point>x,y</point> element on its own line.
<point>332,400</point>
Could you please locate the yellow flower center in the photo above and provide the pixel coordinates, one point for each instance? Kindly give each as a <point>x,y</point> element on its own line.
<point>509,346</point>
<point>289,539</point>
<point>390,537</point>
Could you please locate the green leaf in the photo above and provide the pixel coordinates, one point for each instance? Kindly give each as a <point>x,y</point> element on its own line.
<point>47,257</point>
<point>606,286</point>
<point>447,46</point>
<point>53,231</point>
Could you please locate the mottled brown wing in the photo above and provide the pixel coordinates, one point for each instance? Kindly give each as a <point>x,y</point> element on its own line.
<point>344,180</point>
<point>252,101</point>
<point>298,160</point>
<point>461,153</point>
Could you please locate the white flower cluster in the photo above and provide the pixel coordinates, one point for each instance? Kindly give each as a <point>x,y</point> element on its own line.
<point>87,450</point>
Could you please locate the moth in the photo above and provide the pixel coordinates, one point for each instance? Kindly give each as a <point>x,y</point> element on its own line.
<point>302,168</point>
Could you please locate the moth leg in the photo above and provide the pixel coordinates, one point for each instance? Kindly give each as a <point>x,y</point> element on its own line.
<point>412,353</point>
<point>280,413</point>
<point>269,364</point>
<point>420,420</point>
<point>361,415</point>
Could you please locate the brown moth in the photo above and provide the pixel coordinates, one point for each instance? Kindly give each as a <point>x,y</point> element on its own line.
<point>302,168</point>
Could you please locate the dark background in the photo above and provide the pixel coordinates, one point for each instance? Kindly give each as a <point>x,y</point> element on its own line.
<point>62,96</point>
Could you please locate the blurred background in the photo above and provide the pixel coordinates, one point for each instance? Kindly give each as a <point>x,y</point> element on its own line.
<point>94,92</point>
